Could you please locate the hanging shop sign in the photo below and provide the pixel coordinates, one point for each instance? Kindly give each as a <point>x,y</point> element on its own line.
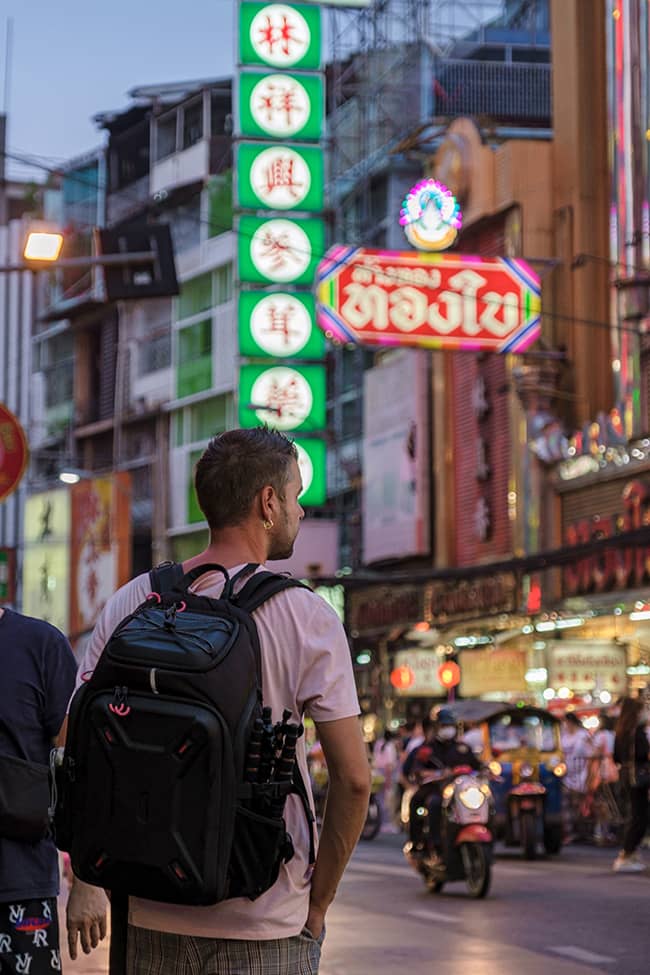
<point>284,397</point>
<point>587,666</point>
<point>280,35</point>
<point>378,608</point>
<point>440,301</point>
<point>492,671</point>
<point>312,461</point>
<point>281,106</point>
<point>279,251</point>
<point>430,216</point>
<point>280,324</point>
<point>465,599</point>
<point>424,666</point>
<point>13,452</point>
<point>280,177</point>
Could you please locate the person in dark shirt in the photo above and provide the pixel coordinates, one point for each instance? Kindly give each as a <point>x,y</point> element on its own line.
<point>38,674</point>
<point>440,752</point>
<point>632,754</point>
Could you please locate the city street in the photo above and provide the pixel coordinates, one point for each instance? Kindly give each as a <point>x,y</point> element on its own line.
<point>570,915</point>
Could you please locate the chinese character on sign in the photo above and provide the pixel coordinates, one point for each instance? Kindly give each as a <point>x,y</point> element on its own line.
<point>280,105</point>
<point>283,397</point>
<point>279,322</point>
<point>281,250</point>
<point>280,35</point>
<point>277,250</point>
<point>7,436</point>
<point>281,325</point>
<point>280,100</point>
<point>280,177</point>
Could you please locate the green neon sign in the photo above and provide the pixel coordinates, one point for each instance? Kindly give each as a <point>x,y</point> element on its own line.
<point>280,324</point>
<point>280,35</point>
<point>285,397</point>
<point>276,250</point>
<point>280,177</point>
<point>281,106</point>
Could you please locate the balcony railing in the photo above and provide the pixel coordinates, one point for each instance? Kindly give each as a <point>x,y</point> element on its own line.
<point>508,92</point>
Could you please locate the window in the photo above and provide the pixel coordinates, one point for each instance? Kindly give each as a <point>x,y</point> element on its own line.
<point>195,296</point>
<point>220,204</point>
<point>223,284</point>
<point>166,136</point>
<point>194,358</point>
<point>155,353</point>
<point>207,418</point>
<point>195,341</point>
<point>200,421</point>
<point>192,123</point>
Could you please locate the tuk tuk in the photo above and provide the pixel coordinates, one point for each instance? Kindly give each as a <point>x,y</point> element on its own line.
<point>521,747</point>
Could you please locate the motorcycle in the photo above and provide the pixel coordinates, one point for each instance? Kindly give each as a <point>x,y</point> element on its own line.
<point>521,747</point>
<point>466,849</point>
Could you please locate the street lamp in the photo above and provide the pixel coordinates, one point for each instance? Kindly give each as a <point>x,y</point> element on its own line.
<point>43,246</point>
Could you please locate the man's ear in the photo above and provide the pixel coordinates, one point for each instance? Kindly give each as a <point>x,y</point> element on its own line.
<point>267,499</point>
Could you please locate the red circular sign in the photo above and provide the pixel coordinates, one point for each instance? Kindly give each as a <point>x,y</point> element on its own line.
<point>402,678</point>
<point>13,452</point>
<point>449,674</point>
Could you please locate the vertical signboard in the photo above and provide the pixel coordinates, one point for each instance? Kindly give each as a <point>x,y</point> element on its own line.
<point>46,559</point>
<point>100,546</point>
<point>280,119</point>
<point>396,458</point>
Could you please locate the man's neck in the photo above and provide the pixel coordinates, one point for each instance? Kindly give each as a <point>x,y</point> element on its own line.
<point>230,549</point>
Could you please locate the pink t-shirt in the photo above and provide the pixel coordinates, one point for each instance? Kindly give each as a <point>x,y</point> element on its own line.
<point>306,666</point>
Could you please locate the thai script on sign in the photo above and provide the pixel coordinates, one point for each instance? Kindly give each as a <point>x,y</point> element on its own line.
<point>411,299</point>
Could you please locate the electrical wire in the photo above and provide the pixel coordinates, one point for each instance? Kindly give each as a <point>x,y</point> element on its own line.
<point>394,275</point>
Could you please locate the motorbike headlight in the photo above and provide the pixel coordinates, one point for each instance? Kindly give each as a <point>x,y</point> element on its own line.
<point>559,770</point>
<point>526,771</point>
<point>495,768</point>
<point>472,797</point>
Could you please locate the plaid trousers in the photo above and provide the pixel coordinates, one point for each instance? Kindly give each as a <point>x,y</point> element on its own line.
<point>159,953</point>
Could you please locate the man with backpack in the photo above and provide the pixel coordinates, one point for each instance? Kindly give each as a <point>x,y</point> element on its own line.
<point>247,484</point>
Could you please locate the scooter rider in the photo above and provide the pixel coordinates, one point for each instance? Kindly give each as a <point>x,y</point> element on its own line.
<point>441,751</point>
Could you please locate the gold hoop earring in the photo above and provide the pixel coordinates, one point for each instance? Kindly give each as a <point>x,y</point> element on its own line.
<point>268,524</point>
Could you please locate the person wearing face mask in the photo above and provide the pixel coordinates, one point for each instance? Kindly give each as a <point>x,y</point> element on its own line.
<point>632,755</point>
<point>442,750</point>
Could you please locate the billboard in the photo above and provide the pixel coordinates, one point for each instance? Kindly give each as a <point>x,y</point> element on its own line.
<point>396,477</point>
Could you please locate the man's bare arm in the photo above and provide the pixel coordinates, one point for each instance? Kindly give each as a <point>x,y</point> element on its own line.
<point>347,806</point>
<point>87,906</point>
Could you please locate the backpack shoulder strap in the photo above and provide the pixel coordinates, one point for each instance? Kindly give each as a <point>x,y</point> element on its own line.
<point>261,586</point>
<point>165,576</point>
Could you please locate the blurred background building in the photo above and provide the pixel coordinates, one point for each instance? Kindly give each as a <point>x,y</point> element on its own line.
<point>487,509</point>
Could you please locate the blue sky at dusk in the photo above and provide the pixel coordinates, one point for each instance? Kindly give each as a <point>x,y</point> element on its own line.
<point>73,59</point>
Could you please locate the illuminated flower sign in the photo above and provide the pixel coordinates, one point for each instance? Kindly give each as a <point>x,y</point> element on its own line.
<point>430,216</point>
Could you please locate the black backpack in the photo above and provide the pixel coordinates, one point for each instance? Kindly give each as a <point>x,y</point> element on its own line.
<point>173,779</point>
